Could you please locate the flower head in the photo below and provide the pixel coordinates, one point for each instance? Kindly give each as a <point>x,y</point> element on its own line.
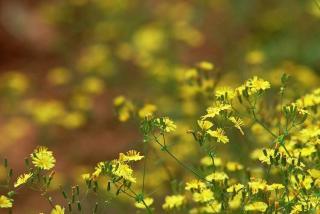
<point>5,202</point>
<point>57,210</point>
<point>43,158</point>
<point>173,201</point>
<point>22,179</point>
<point>219,134</point>
<point>131,155</point>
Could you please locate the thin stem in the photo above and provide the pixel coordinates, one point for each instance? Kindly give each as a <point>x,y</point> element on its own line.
<point>178,161</point>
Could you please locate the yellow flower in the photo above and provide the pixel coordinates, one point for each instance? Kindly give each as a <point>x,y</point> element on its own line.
<point>256,206</point>
<point>131,155</point>
<point>195,185</point>
<point>219,134</point>
<point>22,179</point>
<point>214,111</point>
<point>237,122</point>
<point>234,166</point>
<point>315,173</point>
<point>256,84</point>
<point>168,125</point>
<point>93,85</point>
<point>173,201</point>
<point>204,124</point>
<point>58,76</point>
<point>206,65</point>
<point>123,170</point>
<point>207,161</point>
<point>275,187</point>
<point>140,205</point>
<point>257,184</point>
<point>43,158</point>
<point>147,110</point>
<point>203,196</point>
<point>235,188</point>
<point>225,93</point>
<point>57,210</point>
<point>255,57</point>
<point>217,176</point>
<point>5,202</point>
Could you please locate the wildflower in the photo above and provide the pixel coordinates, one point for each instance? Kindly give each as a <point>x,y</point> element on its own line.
<point>237,122</point>
<point>57,210</point>
<point>235,188</point>
<point>22,179</point>
<point>234,166</point>
<point>43,158</point>
<point>93,85</point>
<point>166,124</point>
<point>123,170</point>
<point>256,84</point>
<point>217,176</point>
<point>214,111</point>
<point>58,76</point>
<point>173,201</point>
<point>98,170</point>
<point>131,155</point>
<point>225,93</point>
<point>148,201</point>
<point>207,66</point>
<point>212,207</point>
<point>85,176</point>
<point>204,124</point>
<point>195,185</point>
<point>315,173</point>
<point>257,184</point>
<point>255,57</point>
<point>220,135</point>
<point>147,110</point>
<point>203,196</point>
<point>207,161</point>
<point>5,202</point>
<point>275,186</point>
<point>256,206</point>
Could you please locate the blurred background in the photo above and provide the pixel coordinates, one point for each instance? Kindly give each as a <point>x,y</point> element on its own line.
<point>63,62</point>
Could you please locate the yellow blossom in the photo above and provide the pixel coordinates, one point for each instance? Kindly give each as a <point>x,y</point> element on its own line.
<point>5,202</point>
<point>217,176</point>
<point>173,201</point>
<point>22,179</point>
<point>57,210</point>
<point>219,134</point>
<point>256,206</point>
<point>131,155</point>
<point>43,158</point>
<point>148,201</point>
<point>203,196</point>
<point>147,110</point>
<point>204,124</point>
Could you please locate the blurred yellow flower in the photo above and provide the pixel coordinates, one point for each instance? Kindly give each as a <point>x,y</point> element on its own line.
<point>57,210</point>
<point>5,202</point>
<point>141,205</point>
<point>173,201</point>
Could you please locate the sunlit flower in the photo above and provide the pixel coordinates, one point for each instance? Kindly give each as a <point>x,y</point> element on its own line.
<point>141,205</point>
<point>219,134</point>
<point>22,179</point>
<point>131,155</point>
<point>173,201</point>
<point>256,206</point>
<point>5,202</point>
<point>43,158</point>
<point>57,210</point>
